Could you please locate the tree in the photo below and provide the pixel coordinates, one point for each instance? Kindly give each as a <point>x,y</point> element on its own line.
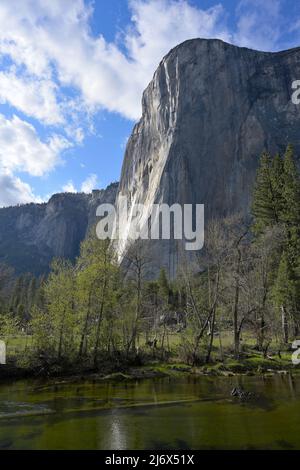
<point>59,297</point>
<point>6,284</point>
<point>282,293</point>
<point>265,198</point>
<point>265,255</point>
<point>96,278</point>
<point>291,191</point>
<point>291,217</point>
<point>203,292</point>
<point>239,234</point>
<point>163,284</point>
<point>138,259</point>
<point>277,203</point>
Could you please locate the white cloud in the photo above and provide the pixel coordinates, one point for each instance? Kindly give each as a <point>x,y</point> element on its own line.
<point>21,149</point>
<point>14,191</point>
<point>69,187</point>
<point>36,98</point>
<point>53,41</point>
<point>89,184</point>
<point>47,36</point>
<point>259,24</point>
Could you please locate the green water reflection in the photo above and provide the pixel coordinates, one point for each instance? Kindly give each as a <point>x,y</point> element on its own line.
<point>187,413</point>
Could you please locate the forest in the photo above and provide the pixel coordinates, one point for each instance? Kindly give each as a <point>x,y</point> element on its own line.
<point>238,300</point>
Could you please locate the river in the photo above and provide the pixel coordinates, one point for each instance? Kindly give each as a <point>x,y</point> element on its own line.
<point>169,413</point>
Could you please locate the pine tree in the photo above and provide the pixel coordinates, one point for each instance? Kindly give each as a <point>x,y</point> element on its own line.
<point>291,217</point>
<point>291,206</point>
<point>264,207</point>
<point>277,202</point>
<point>277,185</point>
<point>164,288</point>
<point>32,293</point>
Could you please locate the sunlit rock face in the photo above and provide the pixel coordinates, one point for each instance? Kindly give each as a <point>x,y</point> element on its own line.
<point>33,234</point>
<point>209,112</point>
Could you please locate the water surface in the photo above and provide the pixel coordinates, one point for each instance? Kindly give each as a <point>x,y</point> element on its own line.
<point>169,413</point>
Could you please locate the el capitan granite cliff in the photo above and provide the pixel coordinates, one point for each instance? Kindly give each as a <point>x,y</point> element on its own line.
<point>210,111</point>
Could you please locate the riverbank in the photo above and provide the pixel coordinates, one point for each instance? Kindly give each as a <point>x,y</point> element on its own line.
<point>250,365</point>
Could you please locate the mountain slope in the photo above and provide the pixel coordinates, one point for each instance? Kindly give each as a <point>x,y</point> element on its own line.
<point>31,235</point>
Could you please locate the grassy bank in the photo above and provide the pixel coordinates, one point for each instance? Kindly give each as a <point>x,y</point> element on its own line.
<point>250,365</point>
<point>148,363</point>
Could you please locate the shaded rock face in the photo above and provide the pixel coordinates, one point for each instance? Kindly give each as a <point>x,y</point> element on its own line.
<point>209,112</point>
<point>33,234</point>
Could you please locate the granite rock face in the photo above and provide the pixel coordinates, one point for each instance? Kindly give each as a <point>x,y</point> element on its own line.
<point>32,235</point>
<point>209,112</point>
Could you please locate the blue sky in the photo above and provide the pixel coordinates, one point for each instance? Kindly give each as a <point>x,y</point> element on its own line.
<point>72,74</point>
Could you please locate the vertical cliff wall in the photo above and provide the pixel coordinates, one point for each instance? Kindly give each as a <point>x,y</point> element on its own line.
<point>209,112</point>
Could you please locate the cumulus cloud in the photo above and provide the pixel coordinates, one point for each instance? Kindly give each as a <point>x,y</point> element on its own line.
<point>69,187</point>
<point>52,40</point>
<point>21,149</point>
<point>34,97</point>
<point>14,191</point>
<point>259,24</point>
<point>89,184</point>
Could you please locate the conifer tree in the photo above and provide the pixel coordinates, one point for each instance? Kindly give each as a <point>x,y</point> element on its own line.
<point>264,198</point>
<point>277,185</point>
<point>164,288</point>
<point>291,215</point>
<point>291,205</point>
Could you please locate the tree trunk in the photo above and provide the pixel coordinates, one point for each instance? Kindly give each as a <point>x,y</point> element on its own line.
<point>208,319</point>
<point>100,316</point>
<point>211,336</point>
<point>132,344</point>
<point>236,307</point>
<point>262,331</point>
<point>296,328</point>
<point>85,328</point>
<point>221,346</point>
<point>285,326</point>
<point>96,349</point>
<point>61,333</point>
